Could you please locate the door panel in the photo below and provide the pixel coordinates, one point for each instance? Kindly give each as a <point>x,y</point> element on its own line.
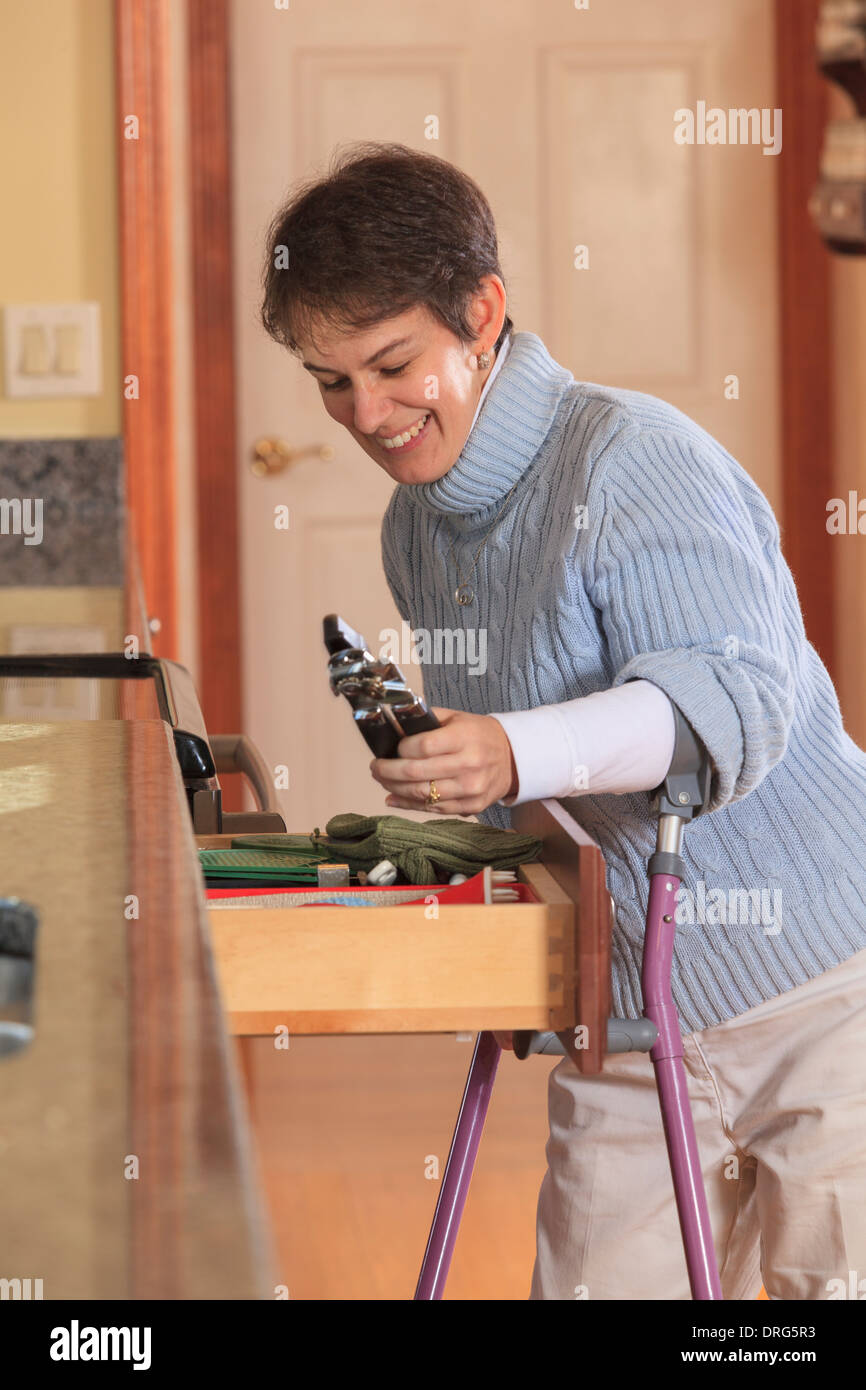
<point>568,128</point>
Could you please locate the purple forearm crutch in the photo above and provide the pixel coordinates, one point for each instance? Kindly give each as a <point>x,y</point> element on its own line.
<point>683,794</point>
<point>458,1169</point>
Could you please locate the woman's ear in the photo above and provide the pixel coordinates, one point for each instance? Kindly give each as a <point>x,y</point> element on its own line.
<point>488,311</point>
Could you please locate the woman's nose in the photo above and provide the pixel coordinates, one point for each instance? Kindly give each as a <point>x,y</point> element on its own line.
<point>370,411</point>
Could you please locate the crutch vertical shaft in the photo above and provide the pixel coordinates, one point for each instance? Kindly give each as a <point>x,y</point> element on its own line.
<point>667,1058</point>
<point>458,1169</point>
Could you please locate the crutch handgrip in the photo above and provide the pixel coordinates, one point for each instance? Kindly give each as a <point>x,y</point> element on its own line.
<point>685,790</point>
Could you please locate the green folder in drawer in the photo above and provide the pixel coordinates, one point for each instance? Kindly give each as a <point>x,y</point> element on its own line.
<point>257,863</point>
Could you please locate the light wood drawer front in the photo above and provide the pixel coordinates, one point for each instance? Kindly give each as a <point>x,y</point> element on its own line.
<point>399,969</point>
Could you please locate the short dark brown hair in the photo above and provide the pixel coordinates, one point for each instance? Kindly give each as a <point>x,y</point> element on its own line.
<point>386,230</point>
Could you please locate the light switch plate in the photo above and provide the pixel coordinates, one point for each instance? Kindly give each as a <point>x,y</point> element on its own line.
<point>72,336</point>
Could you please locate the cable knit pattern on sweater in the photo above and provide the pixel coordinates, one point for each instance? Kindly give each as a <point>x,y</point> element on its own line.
<point>635,546</point>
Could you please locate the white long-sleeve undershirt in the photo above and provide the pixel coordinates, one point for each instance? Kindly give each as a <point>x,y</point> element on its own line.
<point>619,740</point>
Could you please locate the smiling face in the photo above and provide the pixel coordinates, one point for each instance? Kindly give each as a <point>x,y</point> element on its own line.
<point>407,388</point>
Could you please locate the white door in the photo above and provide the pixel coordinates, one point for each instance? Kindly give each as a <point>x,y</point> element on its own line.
<point>565,116</point>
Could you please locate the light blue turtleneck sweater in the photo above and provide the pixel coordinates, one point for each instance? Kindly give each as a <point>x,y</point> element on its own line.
<point>635,546</point>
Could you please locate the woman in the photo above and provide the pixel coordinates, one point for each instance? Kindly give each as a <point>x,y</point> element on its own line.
<point>619,561</point>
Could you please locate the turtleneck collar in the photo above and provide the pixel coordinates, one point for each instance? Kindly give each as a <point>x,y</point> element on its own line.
<point>510,428</point>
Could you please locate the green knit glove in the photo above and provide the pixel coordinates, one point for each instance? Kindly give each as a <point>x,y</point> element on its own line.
<point>425,851</point>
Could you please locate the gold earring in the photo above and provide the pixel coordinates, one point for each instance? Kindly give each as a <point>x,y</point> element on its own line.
<point>484,360</point>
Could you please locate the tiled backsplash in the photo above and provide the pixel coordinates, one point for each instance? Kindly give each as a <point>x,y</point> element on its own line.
<point>62,512</point>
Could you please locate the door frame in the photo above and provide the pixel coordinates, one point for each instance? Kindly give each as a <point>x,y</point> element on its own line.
<point>145,207</point>
<point>805,329</point>
<point>214,373</point>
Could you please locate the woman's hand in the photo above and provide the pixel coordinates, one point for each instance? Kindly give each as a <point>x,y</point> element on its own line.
<point>469,758</point>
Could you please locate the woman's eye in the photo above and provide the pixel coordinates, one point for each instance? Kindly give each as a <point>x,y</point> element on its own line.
<point>386,371</point>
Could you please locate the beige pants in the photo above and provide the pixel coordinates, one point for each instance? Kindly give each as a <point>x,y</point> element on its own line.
<point>778,1097</point>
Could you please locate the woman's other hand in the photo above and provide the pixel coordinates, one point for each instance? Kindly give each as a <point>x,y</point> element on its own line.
<point>505,1040</point>
<point>469,758</point>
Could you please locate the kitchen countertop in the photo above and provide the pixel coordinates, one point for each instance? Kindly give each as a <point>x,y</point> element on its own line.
<point>125,1168</point>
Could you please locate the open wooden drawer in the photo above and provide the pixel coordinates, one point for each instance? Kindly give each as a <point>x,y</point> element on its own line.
<point>402,969</point>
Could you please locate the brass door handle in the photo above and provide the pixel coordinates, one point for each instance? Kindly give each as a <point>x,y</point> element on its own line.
<point>272,455</point>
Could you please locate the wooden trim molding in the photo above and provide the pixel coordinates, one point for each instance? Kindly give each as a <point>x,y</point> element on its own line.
<point>805,327</point>
<point>214,369</point>
<point>197,1223</point>
<point>142,58</point>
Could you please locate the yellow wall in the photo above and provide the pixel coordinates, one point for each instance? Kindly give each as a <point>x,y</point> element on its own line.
<point>58,190</point>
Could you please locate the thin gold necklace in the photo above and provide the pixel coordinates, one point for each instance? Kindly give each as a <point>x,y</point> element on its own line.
<point>463,593</point>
